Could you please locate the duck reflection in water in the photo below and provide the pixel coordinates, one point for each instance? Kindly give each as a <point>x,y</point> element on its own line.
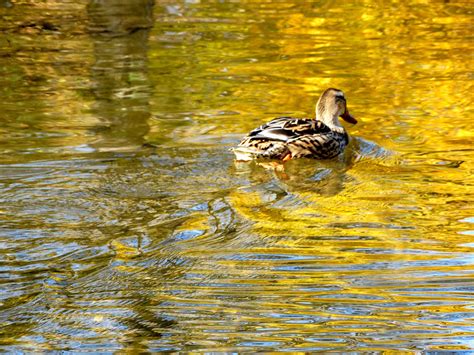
<point>324,177</point>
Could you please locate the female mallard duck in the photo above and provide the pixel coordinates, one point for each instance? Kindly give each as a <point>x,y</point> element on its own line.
<point>285,138</point>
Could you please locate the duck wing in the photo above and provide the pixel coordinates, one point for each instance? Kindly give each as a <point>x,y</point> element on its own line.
<point>284,129</point>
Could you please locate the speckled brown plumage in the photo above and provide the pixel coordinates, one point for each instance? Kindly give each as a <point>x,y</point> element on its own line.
<point>299,137</point>
<point>285,138</point>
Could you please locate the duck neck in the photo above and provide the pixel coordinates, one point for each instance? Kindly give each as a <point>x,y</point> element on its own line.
<point>330,120</point>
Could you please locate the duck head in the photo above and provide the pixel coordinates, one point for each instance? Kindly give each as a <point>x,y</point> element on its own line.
<point>332,105</point>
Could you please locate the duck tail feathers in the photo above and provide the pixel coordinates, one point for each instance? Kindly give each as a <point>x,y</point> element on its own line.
<point>245,153</point>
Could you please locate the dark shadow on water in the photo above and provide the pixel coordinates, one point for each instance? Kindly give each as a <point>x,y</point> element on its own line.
<point>121,85</point>
<point>122,90</point>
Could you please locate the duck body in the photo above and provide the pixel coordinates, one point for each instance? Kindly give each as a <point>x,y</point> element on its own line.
<point>285,138</point>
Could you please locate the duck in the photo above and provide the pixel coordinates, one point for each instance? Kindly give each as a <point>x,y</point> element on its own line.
<point>285,138</point>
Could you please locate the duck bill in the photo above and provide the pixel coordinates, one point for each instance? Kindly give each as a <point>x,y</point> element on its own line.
<point>346,116</point>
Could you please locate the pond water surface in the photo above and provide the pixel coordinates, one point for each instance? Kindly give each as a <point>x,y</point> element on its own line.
<point>125,223</point>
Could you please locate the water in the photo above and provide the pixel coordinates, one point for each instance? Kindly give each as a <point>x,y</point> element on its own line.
<point>127,226</point>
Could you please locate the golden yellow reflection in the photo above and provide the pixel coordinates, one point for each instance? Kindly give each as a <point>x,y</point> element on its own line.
<point>128,227</point>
